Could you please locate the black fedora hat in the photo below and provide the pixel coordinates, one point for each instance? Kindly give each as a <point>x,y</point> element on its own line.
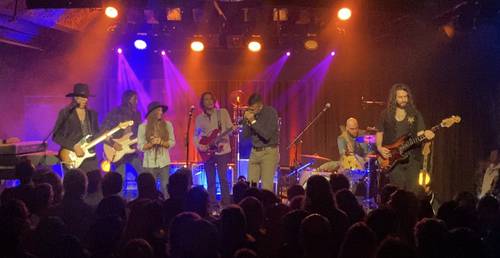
<point>80,90</point>
<point>154,105</point>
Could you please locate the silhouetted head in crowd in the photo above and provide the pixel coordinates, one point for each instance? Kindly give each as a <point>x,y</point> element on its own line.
<point>178,184</point>
<point>137,248</point>
<point>46,175</point>
<point>112,206</point>
<point>254,192</point>
<point>339,182</point>
<point>105,235</point>
<point>24,171</point>
<point>269,199</point>
<point>43,198</point>
<point>145,220</point>
<point>245,253</point>
<point>319,197</point>
<point>464,242</point>
<point>395,248</point>
<point>384,222</point>
<point>488,210</point>
<point>198,201</point>
<point>94,177</point>
<point>316,236</point>
<point>192,237</point>
<point>70,246</point>
<point>297,202</point>
<point>431,238</point>
<point>146,186</point>
<point>291,224</point>
<point>239,190</point>
<point>112,183</point>
<point>386,193</point>
<point>75,184</point>
<point>233,223</point>
<point>294,190</point>
<point>445,211</point>
<point>360,241</point>
<point>347,202</point>
<point>425,209</point>
<point>254,212</point>
<point>14,226</point>
<point>47,236</point>
<point>466,200</point>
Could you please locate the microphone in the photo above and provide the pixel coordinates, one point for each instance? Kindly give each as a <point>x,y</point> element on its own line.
<point>370,102</point>
<point>327,106</point>
<point>191,109</point>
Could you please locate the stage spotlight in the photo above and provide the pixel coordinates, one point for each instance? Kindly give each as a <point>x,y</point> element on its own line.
<point>344,14</point>
<point>311,44</point>
<point>163,53</point>
<point>105,166</point>
<point>288,53</point>
<point>197,46</point>
<point>332,53</point>
<point>140,44</point>
<point>119,50</point>
<point>111,12</point>
<point>254,46</point>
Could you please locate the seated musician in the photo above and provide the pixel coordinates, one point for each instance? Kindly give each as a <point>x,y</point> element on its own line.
<point>352,152</point>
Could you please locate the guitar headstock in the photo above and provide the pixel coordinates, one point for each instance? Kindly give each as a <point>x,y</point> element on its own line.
<point>448,122</point>
<point>126,124</point>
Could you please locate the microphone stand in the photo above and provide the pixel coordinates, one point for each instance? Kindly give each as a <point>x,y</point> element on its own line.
<point>296,141</point>
<point>190,116</point>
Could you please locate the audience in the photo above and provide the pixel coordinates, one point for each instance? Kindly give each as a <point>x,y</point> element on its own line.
<point>85,216</point>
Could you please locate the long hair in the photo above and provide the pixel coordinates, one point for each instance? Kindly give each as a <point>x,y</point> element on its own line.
<point>156,128</point>
<point>391,101</point>
<point>202,106</point>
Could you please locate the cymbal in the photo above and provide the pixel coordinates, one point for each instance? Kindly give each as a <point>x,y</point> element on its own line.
<point>371,130</point>
<point>237,97</point>
<point>315,156</point>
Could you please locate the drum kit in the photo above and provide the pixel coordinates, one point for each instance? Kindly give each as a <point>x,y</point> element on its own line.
<point>363,172</point>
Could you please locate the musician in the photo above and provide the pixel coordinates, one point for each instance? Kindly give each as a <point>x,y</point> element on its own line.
<point>261,124</point>
<point>347,142</point>
<point>76,121</point>
<point>491,175</point>
<point>205,123</point>
<point>401,118</point>
<point>155,137</point>
<point>127,111</point>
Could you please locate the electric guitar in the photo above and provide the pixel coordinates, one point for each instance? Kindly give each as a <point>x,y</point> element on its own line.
<point>398,149</point>
<point>126,142</point>
<point>213,140</point>
<point>71,160</point>
<point>424,178</point>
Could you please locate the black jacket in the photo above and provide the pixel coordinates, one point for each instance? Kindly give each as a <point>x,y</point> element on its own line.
<point>68,130</point>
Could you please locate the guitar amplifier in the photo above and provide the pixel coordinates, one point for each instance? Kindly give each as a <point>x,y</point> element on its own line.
<point>22,148</point>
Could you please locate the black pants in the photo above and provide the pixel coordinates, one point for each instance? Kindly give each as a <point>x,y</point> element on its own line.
<point>210,168</point>
<point>405,175</point>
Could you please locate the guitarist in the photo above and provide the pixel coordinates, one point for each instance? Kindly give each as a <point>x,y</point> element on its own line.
<point>127,111</point>
<point>401,118</point>
<point>74,122</point>
<point>205,123</point>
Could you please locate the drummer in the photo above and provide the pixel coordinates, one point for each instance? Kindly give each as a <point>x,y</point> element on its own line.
<point>351,143</point>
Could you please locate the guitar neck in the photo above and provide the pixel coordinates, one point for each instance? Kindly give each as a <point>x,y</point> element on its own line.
<point>102,137</point>
<point>417,139</point>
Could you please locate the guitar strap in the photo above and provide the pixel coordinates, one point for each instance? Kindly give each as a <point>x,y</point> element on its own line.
<point>219,124</point>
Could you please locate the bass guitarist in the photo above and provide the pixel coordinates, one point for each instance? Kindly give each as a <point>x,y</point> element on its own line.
<point>76,121</point>
<point>214,119</point>
<point>402,118</point>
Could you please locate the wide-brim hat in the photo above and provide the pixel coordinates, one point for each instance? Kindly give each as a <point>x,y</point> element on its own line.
<point>80,90</point>
<point>154,105</point>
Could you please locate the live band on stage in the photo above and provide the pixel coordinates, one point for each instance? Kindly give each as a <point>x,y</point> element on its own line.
<point>395,151</point>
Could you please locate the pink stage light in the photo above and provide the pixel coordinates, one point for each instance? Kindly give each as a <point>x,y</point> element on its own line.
<point>332,53</point>
<point>163,53</point>
<point>288,53</point>
<point>119,50</point>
